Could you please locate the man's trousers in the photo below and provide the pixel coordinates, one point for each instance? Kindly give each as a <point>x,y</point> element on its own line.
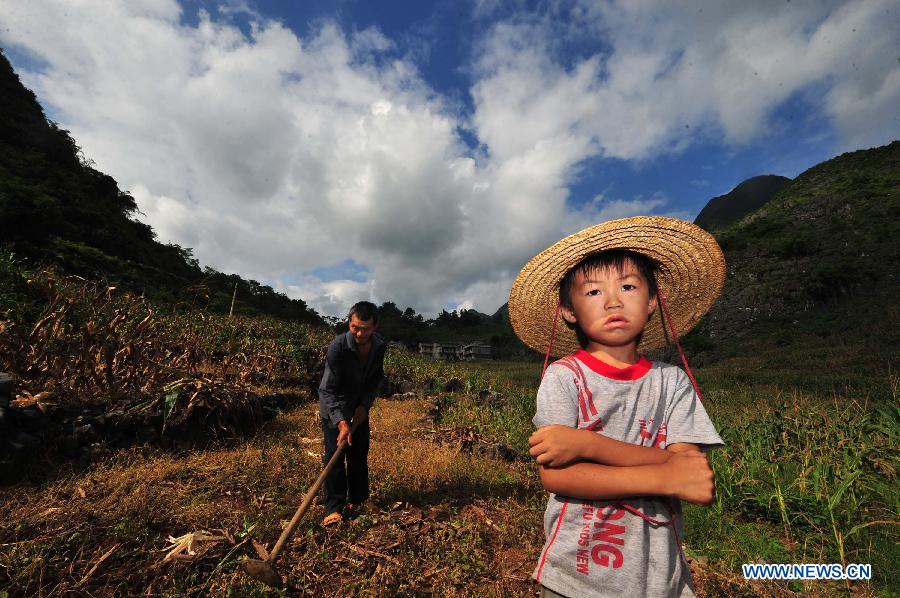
<point>349,480</point>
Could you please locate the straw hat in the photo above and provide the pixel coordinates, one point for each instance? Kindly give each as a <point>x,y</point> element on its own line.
<point>690,277</point>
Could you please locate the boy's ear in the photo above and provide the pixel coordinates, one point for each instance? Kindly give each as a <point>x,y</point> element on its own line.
<point>651,306</point>
<point>567,314</point>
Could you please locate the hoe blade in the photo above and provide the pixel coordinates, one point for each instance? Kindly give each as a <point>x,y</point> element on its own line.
<point>261,571</point>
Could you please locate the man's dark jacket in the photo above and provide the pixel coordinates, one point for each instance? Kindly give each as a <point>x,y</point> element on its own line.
<point>347,382</point>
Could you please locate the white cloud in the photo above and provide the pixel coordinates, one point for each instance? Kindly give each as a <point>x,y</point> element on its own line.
<point>331,298</point>
<point>272,154</point>
<point>719,69</point>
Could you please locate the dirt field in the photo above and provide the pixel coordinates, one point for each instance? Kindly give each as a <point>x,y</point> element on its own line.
<point>440,521</point>
<point>444,519</point>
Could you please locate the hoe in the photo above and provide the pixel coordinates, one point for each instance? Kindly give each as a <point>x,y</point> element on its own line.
<point>264,571</point>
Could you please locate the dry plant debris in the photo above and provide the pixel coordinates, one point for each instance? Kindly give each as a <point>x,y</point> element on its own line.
<point>185,547</point>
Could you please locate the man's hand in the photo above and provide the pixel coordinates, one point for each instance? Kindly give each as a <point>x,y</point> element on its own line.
<point>556,445</point>
<point>343,432</point>
<point>690,477</point>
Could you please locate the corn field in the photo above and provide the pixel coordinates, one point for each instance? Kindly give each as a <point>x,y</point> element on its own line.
<point>94,345</point>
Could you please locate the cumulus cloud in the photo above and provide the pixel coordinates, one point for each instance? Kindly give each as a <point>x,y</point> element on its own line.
<point>332,298</point>
<point>271,153</point>
<point>719,68</point>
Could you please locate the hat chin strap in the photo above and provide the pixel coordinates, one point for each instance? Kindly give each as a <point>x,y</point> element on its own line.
<point>552,336</point>
<point>662,303</point>
<point>667,318</point>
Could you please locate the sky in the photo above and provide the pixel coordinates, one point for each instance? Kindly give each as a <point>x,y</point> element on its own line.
<point>422,152</point>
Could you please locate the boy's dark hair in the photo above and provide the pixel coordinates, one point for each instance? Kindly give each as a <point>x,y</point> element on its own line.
<point>613,259</point>
<point>364,310</point>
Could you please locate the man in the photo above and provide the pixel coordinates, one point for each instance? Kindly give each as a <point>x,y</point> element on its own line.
<point>354,367</point>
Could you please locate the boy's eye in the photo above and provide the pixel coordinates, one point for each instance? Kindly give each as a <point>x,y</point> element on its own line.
<point>628,287</point>
<point>593,292</point>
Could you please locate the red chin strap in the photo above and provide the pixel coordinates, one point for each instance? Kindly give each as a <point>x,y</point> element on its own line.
<point>665,312</point>
<point>662,303</point>
<point>552,336</point>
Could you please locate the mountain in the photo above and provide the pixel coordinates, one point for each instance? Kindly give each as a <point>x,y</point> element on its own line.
<point>812,278</point>
<point>56,208</point>
<point>750,195</point>
<point>811,285</point>
<point>502,314</point>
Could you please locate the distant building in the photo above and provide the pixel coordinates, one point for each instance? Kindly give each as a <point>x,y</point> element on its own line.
<point>450,351</point>
<point>476,350</point>
<point>432,350</point>
<point>456,351</point>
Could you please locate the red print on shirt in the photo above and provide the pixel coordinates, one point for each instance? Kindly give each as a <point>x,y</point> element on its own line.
<point>647,433</point>
<point>661,436</point>
<point>608,536</point>
<point>585,397</point>
<point>600,539</point>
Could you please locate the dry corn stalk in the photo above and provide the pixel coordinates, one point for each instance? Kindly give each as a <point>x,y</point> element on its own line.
<point>185,547</point>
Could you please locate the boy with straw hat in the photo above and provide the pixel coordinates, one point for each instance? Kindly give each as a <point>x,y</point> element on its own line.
<point>619,436</point>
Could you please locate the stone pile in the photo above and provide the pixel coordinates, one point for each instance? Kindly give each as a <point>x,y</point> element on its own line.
<point>21,427</point>
<point>208,410</point>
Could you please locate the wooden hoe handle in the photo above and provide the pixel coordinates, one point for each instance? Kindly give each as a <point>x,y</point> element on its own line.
<point>288,532</point>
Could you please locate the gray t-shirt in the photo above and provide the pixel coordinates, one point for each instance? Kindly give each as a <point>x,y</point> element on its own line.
<point>618,547</point>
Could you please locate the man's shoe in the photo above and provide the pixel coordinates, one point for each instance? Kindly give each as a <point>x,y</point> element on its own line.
<point>331,519</point>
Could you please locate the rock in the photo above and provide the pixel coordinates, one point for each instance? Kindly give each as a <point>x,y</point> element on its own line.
<point>454,385</point>
<point>387,387</point>
<point>84,457</point>
<point>67,444</point>
<point>30,418</point>
<point>25,441</point>
<point>146,433</point>
<point>490,397</point>
<point>85,434</point>
<point>496,450</point>
<point>7,385</point>
<point>98,449</point>
<point>404,386</point>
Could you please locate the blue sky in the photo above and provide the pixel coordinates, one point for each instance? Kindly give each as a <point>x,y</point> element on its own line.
<point>422,152</point>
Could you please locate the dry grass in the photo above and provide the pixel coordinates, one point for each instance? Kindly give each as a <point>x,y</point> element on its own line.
<point>440,521</point>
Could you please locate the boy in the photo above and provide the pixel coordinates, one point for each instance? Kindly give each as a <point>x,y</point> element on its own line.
<point>619,436</point>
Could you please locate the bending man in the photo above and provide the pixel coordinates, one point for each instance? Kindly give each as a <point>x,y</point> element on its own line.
<point>354,367</point>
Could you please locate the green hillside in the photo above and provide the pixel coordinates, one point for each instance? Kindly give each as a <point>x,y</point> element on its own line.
<point>56,208</point>
<point>812,275</point>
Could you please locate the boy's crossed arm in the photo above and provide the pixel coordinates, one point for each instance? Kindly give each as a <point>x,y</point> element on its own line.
<point>586,465</point>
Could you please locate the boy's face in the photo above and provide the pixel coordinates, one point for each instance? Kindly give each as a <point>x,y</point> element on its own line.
<point>610,306</point>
